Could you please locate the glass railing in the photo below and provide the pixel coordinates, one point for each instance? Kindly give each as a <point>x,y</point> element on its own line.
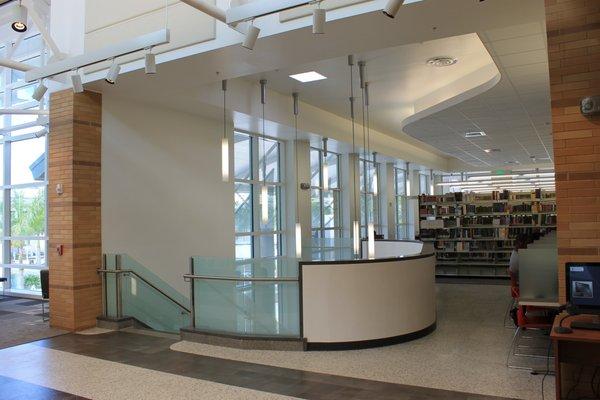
<point>246,298</point>
<point>328,249</point>
<point>131,290</point>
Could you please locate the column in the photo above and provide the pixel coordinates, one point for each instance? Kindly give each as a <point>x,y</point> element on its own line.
<point>74,231</point>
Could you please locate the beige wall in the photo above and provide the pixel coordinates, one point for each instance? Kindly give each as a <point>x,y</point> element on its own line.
<point>162,195</point>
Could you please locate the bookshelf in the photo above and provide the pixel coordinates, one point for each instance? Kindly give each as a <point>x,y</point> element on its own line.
<point>474,233</point>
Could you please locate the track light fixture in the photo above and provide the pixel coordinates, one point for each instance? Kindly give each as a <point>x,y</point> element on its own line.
<point>39,91</point>
<point>19,23</point>
<point>319,18</point>
<point>76,81</point>
<point>392,7</point>
<point>113,73</point>
<point>150,62</point>
<point>251,36</point>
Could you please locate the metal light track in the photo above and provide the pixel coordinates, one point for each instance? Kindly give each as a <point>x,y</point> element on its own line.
<point>117,50</point>
<point>260,8</point>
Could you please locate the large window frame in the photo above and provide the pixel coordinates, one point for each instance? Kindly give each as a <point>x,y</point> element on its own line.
<point>23,255</point>
<point>401,201</point>
<point>368,196</point>
<point>326,205</point>
<point>260,235</point>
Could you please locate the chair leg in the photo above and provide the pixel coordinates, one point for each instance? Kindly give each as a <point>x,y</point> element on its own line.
<point>512,346</point>
<point>506,315</point>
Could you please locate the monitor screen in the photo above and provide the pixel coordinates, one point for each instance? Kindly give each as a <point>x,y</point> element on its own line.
<point>583,285</point>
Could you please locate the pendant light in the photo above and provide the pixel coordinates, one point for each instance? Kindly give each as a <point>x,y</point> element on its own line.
<point>407,179</point>
<point>355,223</point>
<point>264,191</point>
<point>225,140</point>
<point>374,183</point>
<point>325,167</point>
<point>375,180</point>
<point>431,188</point>
<point>298,225</point>
<point>367,148</point>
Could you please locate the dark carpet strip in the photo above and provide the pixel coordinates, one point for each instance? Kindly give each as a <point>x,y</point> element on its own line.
<point>13,389</point>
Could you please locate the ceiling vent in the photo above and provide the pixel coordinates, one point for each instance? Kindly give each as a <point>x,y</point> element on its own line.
<point>442,61</point>
<point>474,134</point>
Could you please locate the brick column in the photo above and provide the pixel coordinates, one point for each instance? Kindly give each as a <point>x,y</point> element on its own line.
<point>74,216</point>
<point>573,29</point>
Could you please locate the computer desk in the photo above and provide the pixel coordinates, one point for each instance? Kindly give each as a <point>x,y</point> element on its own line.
<point>572,353</point>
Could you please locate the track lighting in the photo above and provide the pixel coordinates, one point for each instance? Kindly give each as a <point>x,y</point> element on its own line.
<point>150,63</point>
<point>392,7</point>
<point>19,23</point>
<point>76,82</point>
<point>319,17</point>
<point>39,91</point>
<point>113,73</point>
<point>41,133</point>
<point>251,36</point>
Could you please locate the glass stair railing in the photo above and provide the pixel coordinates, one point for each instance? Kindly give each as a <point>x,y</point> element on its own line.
<point>133,291</point>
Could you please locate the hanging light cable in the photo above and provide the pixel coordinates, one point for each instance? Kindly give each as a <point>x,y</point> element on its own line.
<point>325,167</point>
<point>225,140</point>
<point>355,223</point>
<point>366,147</point>
<point>298,225</point>
<point>264,191</point>
<point>374,183</point>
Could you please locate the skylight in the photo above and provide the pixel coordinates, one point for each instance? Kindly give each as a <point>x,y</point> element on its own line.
<point>310,76</point>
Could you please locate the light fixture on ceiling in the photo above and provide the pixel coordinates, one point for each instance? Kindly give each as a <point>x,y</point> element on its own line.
<point>355,222</point>
<point>310,76</point>
<point>225,139</point>
<point>442,61</point>
<point>150,62</point>
<point>251,36</point>
<point>431,179</point>
<point>42,132</point>
<point>298,225</point>
<point>113,72</point>
<point>474,134</point>
<point>491,150</point>
<point>319,18</point>
<point>39,91</point>
<point>76,81</point>
<point>264,192</point>
<point>19,19</point>
<point>325,167</point>
<point>392,7</point>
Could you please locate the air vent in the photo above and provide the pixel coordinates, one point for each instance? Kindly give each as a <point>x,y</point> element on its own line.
<point>442,61</point>
<point>474,134</point>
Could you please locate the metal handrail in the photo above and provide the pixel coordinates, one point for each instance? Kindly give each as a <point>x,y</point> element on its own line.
<point>189,277</point>
<point>159,290</point>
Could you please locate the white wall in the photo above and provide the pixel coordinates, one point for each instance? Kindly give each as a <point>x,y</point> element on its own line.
<point>162,195</point>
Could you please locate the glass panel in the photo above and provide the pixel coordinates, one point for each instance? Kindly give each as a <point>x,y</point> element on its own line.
<point>22,119</point>
<point>28,161</point>
<point>332,168</point>
<point>243,207</point>
<point>271,148</point>
<point>242,156</point>
<point>330,210</point>
<point>315,168</point>
<point>22,95</point>
<point>25,279</point>
<point>272,223</point>
<point>258,268</point>
<point>29,47</point>
<point>28,252</point>
<point>315,208</point>
<point>250,308</point>
<point>28,212</point>
<point>361,167</point>
<point>243,247</point>
<point>270,245</point>
<point>16,76</point>
<point>400,182</point>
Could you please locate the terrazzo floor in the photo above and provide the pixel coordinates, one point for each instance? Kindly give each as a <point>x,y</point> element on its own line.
<point>463,359</point>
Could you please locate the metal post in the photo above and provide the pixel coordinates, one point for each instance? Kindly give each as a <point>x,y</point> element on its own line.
<point>104,293</point>
<point>192,299</point>
<point>118,286</point>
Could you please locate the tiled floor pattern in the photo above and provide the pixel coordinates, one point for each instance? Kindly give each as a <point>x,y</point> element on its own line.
<point>466,354</point>
<point>21,321</point>
<point>13,389</point>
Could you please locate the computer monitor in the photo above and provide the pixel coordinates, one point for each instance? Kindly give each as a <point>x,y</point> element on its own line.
<point>583,286</point>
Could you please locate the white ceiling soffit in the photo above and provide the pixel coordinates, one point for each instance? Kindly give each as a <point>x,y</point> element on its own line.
<point>515,114</point>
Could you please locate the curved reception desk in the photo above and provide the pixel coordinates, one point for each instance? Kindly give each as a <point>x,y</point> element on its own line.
<point>332,304</point>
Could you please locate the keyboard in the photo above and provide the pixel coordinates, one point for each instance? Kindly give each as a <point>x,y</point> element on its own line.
<point>585,325</point>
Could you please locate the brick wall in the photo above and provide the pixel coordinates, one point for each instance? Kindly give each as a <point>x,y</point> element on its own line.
<point>74,216</point>
<point>573,29</point>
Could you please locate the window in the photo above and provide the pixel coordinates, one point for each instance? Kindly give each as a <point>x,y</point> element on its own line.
<point>402,228</point>
<point>326,220</point>
<point>369,195</point>
<point>22,175</point>
<point>423,184</point>
<point>257,162</point>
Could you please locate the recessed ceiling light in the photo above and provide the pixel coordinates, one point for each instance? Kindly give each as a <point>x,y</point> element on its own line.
<point>491,150</point>
<point>442,61</point>
<point>308,77</point>
<point>474,134</point>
